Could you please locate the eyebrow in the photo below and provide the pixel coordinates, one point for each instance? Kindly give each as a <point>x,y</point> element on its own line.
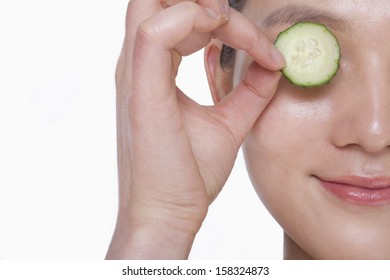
<point>291,14</point>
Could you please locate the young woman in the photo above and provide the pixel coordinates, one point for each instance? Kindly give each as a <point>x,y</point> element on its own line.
<point>318,158</point>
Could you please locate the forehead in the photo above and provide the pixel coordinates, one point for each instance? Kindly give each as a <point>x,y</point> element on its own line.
<point>359,12</point>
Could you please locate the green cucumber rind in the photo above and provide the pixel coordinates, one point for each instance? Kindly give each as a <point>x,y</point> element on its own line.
<point>337,62</point>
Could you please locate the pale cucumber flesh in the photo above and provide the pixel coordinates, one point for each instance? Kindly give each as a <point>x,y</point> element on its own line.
<point>312,54</point>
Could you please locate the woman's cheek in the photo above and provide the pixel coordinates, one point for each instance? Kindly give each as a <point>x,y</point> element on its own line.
<point>283,149</point>
<point>295,119</point>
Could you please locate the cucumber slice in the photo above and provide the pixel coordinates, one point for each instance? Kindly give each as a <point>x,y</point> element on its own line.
<point>312,54</point>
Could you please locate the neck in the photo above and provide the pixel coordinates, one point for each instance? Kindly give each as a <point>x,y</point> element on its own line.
<point>292,251</point>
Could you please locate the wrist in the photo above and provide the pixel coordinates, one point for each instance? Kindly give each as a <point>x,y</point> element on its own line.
<point>150,240</point>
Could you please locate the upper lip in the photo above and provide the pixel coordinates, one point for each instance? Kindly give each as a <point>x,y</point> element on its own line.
<point>380,182</point>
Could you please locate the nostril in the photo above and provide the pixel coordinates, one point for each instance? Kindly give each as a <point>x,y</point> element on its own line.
<point>372,140</point>
<point>374,143</point>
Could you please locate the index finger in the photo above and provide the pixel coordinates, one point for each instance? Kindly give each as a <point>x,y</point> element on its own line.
<point>242,34</point>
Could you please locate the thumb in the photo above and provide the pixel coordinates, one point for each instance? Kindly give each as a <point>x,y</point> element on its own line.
<point>245,103</point>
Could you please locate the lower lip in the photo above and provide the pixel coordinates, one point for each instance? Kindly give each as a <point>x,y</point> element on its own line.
<point>358,195</point>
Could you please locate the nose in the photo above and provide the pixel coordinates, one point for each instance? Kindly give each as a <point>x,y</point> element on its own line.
<point>364,117</point>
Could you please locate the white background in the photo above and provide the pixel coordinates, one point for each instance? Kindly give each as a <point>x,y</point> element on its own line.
<point>58,182</point>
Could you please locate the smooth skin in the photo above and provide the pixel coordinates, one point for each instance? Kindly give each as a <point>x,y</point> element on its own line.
<point>174,155</point>
<point>337,130</point>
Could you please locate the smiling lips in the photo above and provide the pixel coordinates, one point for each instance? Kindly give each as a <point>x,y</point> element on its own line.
<point>359,190</point>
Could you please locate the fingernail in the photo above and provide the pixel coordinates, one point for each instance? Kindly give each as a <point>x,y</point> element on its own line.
<point>224,6</point>
<point>278,57</point>
<point>213,13</point>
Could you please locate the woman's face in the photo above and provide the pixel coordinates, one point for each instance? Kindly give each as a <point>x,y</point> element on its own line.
<point>319,158</point>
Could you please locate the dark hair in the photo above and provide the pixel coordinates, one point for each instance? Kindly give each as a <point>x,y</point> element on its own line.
<point>228,53</point>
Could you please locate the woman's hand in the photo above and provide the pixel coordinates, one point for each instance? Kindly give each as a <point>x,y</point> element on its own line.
<point>174,156</point>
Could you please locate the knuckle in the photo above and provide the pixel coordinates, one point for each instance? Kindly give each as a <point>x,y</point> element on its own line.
<point>146,34</point>
<point>150,32</point>
<point>153,34</point>
<point>251,87</point>
<point>252,44</point>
